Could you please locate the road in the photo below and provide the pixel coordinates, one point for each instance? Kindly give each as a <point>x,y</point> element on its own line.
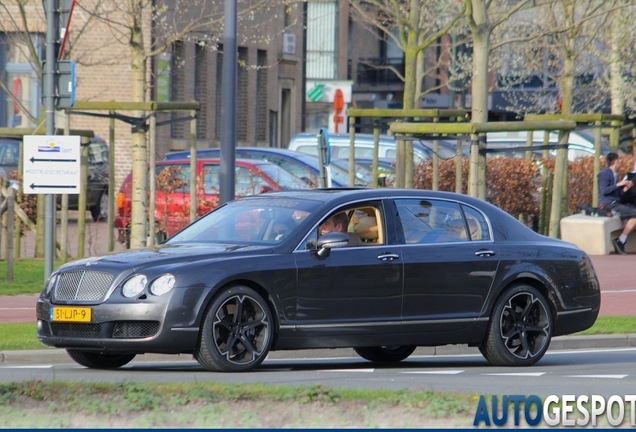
<point>604,372</point>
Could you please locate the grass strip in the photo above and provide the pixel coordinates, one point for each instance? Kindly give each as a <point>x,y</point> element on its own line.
<point>215,405</point>
<point>28,276</point>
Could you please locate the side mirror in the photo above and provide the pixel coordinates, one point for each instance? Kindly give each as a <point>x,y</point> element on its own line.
<point>329,241</point>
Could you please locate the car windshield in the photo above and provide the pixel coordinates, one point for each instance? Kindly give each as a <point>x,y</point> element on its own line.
<point>283,178</point>
<point>250,221</point>
<point>97,153</point>
<point>363,175</point>
<point>9,151</point>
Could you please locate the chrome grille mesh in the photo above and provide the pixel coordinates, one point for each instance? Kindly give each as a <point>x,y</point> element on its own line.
<point>76,330</point>
<point>135,329</point>
<point>83,286</point>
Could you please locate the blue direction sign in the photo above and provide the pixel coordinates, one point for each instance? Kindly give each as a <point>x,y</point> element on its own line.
<point>51,164</point>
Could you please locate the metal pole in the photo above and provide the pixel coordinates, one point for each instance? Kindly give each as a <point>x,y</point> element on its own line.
<point>228,105</point>
<point>49,104</point>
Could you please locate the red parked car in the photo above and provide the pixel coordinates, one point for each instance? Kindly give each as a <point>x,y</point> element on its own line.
<point>172,195</point>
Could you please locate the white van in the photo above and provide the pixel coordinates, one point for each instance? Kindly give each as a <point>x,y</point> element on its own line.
<point>579,145</point>
<point>422,150</point>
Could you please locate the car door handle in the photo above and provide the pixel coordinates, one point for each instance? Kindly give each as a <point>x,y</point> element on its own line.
<point>388,257</point>
<point>485,253</point>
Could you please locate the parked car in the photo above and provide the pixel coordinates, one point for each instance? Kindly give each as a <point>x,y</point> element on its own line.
<point>505,143</point>
<point>172,196</point>
<point>96,186</point>
<point>432,268</point>
<point>301,165</point>
<point>340,143</point>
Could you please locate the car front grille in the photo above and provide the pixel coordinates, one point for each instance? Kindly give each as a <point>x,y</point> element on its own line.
<point>118,330</point>
<point>135,329</point>
<point>83,285</point>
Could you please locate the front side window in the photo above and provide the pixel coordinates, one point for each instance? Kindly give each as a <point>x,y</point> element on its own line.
<point>363,224</point>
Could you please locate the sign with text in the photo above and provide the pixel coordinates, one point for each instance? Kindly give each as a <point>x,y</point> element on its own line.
<point>51,164</point>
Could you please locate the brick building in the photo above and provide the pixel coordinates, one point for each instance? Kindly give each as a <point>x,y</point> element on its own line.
<point>270,84</point>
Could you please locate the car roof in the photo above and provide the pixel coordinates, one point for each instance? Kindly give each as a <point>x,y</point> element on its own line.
<point>277,150</point>
<point>238,161</point>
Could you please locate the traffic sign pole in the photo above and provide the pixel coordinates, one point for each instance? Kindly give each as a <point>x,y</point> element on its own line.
<point>49,106</point>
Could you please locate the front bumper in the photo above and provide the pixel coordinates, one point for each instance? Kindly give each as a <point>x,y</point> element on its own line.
<point>133,327</point>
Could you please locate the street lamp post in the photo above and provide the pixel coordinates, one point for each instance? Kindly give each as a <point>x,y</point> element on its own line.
<point>228,105</point>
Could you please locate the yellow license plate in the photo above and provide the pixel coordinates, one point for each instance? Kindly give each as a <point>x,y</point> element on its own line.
<point>71,314</point>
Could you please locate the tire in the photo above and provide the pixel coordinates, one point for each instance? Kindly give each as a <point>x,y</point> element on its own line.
<point>100,210</point>
<point>231,341</point>
<point>386,354</point>
<point>95,360</point>
<point>520,328</point>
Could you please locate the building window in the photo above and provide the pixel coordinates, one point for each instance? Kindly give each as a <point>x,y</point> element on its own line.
<point>261,96</point>
<point>21,99</point>
<point>201,88</point>
<point>243,72</point>
<point>322,37</point>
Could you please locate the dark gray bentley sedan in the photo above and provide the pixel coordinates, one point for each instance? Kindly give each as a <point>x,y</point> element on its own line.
<point>379,270</point>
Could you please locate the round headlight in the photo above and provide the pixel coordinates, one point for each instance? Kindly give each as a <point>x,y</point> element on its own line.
<point>162,284</point>
<point>134,286</point>
<point>50,283</point>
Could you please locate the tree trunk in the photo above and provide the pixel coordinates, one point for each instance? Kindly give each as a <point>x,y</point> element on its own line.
<point>616,64</point>
<point>139,212</point>
<point>481,30</point>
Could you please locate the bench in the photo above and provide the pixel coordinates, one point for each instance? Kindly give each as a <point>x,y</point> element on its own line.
<point>595,234</point>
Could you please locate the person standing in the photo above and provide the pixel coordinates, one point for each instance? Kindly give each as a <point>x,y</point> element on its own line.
<point>610,191</point>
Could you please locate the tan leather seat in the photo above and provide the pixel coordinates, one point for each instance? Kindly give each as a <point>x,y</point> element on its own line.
<point>367,229</point>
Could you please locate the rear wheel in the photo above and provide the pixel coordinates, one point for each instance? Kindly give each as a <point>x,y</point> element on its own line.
<point>95,360</point>
<point>520,329</point>
<point>237,331</point>
<point>386,354</point>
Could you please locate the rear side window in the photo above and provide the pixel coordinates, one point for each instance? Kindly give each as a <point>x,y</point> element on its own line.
<point>431,221</point>
<point>173,178</point>
<point>477,225</point>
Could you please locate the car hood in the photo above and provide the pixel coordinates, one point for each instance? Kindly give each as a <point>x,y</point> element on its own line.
<point>137,259</point>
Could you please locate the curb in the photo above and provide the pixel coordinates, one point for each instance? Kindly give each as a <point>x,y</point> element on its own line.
<point>56,355</point>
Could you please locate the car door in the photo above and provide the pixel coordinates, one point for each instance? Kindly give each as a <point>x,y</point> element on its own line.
<point>356,290</point>
<point>450,263</point>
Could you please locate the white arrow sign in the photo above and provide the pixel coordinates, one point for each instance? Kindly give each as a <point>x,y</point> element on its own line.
<point>51,164</point>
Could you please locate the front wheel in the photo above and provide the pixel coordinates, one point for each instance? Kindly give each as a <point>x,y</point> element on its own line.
<point>385,354</point>
<point>520,329</point>
<point>95,360</point>
<point>237,331</point>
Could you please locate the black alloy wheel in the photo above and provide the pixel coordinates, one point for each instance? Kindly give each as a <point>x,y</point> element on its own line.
<point>95,360</point>
<point>237,331</point>
<point>386,354</point>
<point>520,329</point>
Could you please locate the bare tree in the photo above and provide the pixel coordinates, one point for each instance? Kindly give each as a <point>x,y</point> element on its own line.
<point>148,28</point>
<point>419,24</point>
